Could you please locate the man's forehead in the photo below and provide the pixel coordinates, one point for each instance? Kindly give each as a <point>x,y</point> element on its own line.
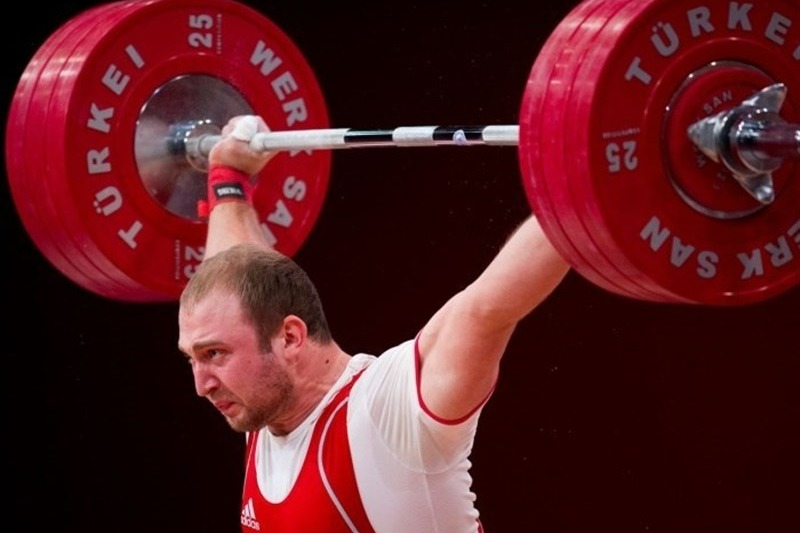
<point>216,295</point>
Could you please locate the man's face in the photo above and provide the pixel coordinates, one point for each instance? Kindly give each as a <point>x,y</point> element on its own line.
<point>252,389</point>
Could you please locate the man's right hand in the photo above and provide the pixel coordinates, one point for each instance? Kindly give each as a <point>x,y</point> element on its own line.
<point>233,149</point>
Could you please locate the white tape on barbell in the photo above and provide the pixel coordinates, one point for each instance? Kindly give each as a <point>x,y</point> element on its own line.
<point>245,128</point>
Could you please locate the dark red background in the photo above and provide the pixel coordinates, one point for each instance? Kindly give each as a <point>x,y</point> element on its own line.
<point>611,414</point>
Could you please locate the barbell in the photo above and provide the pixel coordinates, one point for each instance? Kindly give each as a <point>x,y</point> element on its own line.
<point>657,140</point>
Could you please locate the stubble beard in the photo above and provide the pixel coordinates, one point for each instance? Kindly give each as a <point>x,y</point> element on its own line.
<point>266,409</point>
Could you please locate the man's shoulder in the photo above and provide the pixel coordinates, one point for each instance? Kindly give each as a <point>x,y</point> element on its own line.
<point>399,350</point>
<point>396,360</point>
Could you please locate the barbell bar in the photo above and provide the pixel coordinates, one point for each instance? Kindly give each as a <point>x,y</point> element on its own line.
<point>657,143</point>
<point>403,136</point>
<point>751,139</point>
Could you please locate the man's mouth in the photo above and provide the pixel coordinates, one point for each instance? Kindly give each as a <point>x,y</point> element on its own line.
<point>224,407</point>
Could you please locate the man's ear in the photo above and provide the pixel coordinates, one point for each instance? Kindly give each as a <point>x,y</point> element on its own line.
<point>295,333</point>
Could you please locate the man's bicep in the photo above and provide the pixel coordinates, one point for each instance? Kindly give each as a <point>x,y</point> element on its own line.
<point>460,350</point>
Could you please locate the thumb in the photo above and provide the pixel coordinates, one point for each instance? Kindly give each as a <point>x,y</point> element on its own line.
<point>245,128</point>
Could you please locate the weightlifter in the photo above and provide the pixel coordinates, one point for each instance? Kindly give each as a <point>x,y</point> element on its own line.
<point>339,442</point>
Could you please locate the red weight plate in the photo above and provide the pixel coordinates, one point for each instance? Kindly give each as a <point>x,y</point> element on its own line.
<point>24,185</point>
<point>123,73</point>
<point>25,157</point>
<point>569,206</point>
<point>48,108</point>
<point>574,201</point>
<point>634,208</point>
<point>46,103</point>
<point>544,155</point>
<point>539,124</point>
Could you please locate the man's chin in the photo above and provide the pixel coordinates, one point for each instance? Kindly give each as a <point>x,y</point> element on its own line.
<point>236,424</point>
<point>242,425</point>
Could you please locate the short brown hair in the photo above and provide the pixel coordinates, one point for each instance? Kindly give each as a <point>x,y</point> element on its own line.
<point>270,286</point>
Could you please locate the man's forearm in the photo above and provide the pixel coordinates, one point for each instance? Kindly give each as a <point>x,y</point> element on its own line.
<point>525,271</point>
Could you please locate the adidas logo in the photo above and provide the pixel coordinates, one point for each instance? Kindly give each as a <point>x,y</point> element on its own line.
<point>248,518</point>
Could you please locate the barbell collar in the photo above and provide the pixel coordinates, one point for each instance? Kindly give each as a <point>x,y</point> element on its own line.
<point>751,140</point>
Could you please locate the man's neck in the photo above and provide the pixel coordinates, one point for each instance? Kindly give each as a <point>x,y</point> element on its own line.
<point>318,371</point>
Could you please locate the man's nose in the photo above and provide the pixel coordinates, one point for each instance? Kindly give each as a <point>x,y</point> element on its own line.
<point>205,382</point>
